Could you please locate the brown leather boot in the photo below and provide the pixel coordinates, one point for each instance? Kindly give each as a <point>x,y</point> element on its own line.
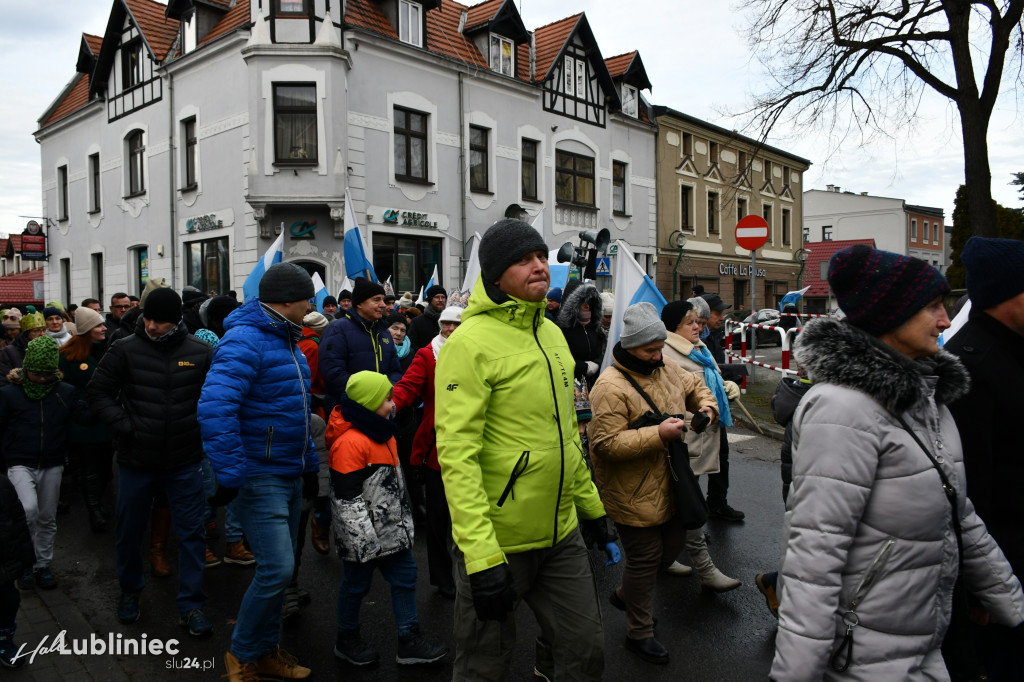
<point>160,524</point>
<point>238,671</point>
<point>281,665</point>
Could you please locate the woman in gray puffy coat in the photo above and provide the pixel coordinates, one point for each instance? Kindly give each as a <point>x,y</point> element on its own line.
<point>871,550</point>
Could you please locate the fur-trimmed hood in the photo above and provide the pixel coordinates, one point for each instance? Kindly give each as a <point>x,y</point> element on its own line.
<point>836,352</point>
<point>571,304</point>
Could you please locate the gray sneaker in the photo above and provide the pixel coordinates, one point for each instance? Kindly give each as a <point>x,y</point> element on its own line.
<point>349,646</point>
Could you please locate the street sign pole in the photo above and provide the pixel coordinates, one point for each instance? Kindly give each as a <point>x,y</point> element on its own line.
<point>753,309</point>
<point>752,234</point>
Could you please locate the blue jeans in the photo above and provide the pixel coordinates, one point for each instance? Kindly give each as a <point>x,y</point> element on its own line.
<point>270,519</point>
<point>399,570</point>
<point>184,489</point>
<point>232,512</point>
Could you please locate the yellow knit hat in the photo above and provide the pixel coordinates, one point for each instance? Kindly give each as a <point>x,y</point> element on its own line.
<point>369,389</point>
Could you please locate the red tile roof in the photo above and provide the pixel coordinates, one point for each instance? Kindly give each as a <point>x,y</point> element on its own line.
<point>237,17</point>
<point>76,98</point>
<point>18,288</point>
<point>617,65</point>
<point>822,252</point>
<point>443,35</point>
<point>366,14</point>
<point>159,30</point>
<point>549,42</point>
<point>94,42</point>
<point>482,13</point>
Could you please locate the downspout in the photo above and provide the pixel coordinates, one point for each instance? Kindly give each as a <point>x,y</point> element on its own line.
<point>170,179</point>
<point>463,258</point>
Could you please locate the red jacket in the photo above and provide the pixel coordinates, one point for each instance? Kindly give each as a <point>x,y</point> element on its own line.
<point>417,384</point>
<point>310,347</point>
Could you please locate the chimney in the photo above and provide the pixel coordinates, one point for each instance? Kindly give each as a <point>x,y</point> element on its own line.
<point>462,19</point>
<point>836,190</point>
<point>830,188</point>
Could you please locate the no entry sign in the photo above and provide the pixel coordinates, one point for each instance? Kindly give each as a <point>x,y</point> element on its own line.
<point>752,232</point>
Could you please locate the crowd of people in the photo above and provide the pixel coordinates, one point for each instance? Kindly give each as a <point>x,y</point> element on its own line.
<point>492,432</point>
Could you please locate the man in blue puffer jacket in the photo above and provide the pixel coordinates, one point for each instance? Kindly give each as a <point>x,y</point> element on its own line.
<point>357,341</point>
<point>254,414</point>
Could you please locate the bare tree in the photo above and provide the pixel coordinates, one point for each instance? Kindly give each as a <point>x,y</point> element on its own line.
<point>861,66</point>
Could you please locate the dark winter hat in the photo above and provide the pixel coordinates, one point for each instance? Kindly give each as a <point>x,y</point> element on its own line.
<point>330,300</point>
<point>190,293</point>
<point>880,290</point>
<point>641,325</point>
<point>163,305</point>
<point>555,295</point>
<point>41,355</point>
<point>504,243</point>
<point>434,291</point>
<point>86,319</point>
<point>48,312</point>
<point>345,293</point>
<point>698,290</point>
<point>397,318</point>
<point>218,308</point>
<point>673,313</point>
<point>715,302</point>
<point>285,283</point>
<point>365,289</point>
<point>995,270</point>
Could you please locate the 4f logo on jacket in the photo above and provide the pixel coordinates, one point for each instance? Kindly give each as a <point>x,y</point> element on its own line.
<point>451,387</point>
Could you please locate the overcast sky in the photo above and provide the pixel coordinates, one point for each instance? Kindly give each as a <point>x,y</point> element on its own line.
<point>696,60</point>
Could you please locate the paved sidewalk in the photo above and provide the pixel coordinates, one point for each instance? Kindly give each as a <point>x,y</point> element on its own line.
<point>43,616</point>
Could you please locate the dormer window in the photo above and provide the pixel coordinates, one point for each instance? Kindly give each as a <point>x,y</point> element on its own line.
<point>629,100</point>
<point>286,7</point>
<point>410,22</point>
<point>502,50</point>
<point>131,64</point>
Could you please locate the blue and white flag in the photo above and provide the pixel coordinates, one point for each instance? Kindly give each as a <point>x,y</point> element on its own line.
<point>559,271</point>
<point>275,254</point>
<point>632,285</point>
<point>958,321</point>
<point>792,297</point>
<point>319,292</point>
<point>433,278</point>
<point>356,262</point>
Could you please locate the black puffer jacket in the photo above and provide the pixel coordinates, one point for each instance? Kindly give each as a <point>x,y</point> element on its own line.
<point>586,342</point>
<point>34,432</point>
<point>423,329</point>
<point>784,402</point>
<point>11,356</point>
<point>146,391</point>
<point>126,327</point>
<point>16,552</point>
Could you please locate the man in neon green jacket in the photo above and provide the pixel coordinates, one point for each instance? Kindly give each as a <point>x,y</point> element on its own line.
<point>513,470</point>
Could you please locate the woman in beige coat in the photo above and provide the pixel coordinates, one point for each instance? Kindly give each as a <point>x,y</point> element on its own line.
<point>684,347</point>
<point>631,464</point>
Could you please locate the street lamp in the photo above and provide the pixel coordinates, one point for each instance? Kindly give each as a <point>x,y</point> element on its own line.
<point>801,256</point>
<point>678,240</point>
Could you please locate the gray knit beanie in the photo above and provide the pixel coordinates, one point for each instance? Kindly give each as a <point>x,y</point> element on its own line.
<point>504,243</point>
<point>285,283</point>
<point>641,325</point>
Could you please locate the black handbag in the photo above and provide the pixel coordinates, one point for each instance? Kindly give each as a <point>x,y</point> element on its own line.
<point>691,507</point>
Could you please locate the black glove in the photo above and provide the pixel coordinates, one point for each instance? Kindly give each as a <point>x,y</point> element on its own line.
<point>601,530</point>
<point>310,485</point>
<point>222,496</point>
<point>493,594</point>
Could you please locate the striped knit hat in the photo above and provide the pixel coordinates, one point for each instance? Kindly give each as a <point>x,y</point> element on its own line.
<point>880,290</point>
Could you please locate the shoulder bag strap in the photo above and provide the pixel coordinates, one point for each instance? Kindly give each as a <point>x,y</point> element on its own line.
<point>640,391</point>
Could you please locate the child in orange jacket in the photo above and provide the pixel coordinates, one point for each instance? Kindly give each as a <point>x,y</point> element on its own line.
<point>372,520</point>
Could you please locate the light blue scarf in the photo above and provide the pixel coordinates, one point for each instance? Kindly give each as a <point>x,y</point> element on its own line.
<point>403,350</point>
<point>714,381</point>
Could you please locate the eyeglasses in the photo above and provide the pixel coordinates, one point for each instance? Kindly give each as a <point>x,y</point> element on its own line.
<point>121,307</point>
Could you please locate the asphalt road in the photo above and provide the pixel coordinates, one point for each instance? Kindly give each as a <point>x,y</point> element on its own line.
<point>711,637</point>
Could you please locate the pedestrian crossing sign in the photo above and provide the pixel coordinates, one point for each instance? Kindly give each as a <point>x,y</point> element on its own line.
<point>604,266</point>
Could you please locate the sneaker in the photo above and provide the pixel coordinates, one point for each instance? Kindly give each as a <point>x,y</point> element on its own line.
<point>727,513</point>
<point>8,649</point>
<point>128,607</point>
<point>212,560</point>
<point>27,581</point>
<point>770,597</point>
<point>237,554</point>
<point>197,623</point>
<point>349,646</point>
<point>414,648</point>
<point>238,671</point>
<point>45,579</point>
<point>281,665</point>
<point>649,649</point>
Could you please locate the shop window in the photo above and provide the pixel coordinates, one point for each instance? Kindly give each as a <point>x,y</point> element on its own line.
<point>574,178</point>
<point>410,145</point>
<point>208,265</point>
<point>740,293</point>
<point>295,139</point>
<point>138,260</point>
<point>409,261</point>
